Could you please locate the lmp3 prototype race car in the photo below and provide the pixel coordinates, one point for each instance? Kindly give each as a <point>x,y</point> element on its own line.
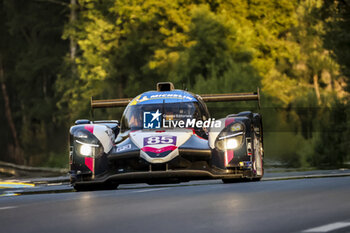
<point>166,136</point>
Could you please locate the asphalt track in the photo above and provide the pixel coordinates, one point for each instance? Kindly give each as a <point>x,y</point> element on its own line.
<point>296,205</point>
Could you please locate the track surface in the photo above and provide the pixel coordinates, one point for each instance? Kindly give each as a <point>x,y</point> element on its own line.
<point>207,206</point>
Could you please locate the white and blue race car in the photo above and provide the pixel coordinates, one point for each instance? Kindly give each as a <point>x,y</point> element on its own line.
<point>166,136</point>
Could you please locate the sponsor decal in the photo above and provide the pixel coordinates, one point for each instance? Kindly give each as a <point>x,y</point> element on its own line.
<point>125,147</point>
<point>159,146</point>
<point>173,96</point>
<point>245,164</point>
<point>138,99</point>
<point>156,97</point>
<point>157,140</point>
<point>135,100</point>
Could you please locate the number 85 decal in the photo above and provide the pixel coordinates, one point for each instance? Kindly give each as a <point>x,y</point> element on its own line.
<point>156,140</point>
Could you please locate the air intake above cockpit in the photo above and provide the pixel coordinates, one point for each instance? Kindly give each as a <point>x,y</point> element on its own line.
<point>165,86</point>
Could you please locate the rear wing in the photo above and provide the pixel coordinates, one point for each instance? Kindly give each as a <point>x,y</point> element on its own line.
<point>231,97</point>
<point>251,96</point>
<point>110,103</point>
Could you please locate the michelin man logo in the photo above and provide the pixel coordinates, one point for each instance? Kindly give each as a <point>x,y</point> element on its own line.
<point>151,120</point>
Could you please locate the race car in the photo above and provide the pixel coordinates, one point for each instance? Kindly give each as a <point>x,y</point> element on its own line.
<point>166,136</point>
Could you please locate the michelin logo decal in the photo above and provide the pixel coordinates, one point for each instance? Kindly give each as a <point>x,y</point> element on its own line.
<point>174,96</point>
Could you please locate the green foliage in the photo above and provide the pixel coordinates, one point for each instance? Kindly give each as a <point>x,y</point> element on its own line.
<point>32,56</point>
<point>333,145</point>
<point>216,61</point>
<point>336,14</point>
<point>57,160</point>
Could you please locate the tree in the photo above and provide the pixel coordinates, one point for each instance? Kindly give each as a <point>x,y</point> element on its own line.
<point>336,14</point>
<point>32,54</point>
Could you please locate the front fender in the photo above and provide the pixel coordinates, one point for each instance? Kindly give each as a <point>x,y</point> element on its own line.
<point>100,139</point>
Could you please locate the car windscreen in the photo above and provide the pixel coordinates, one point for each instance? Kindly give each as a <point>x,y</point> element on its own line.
<point>134,115</point>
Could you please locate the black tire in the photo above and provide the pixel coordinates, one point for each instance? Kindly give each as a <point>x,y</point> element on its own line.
<point>95,187</point>
<point>241,180</point>
<point>237,180</point>
<point>255,179</point>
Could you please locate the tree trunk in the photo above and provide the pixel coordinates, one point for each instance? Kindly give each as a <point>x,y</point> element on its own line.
<point>72,19</point>
<point>317,89</point>
<point>16,151</point>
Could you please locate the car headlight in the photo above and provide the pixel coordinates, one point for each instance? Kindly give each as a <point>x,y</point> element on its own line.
<point>87,149</point>
<point>229,142</point>
<point>231,138</point>
<point>237,127</point>
<point>81,134</point>
<point>232,143</point>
